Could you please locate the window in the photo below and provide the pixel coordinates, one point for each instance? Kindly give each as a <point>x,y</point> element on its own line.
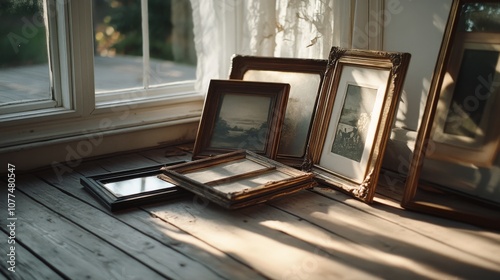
<point>25,69</point>
<point>70,66</point>
<point>141,46</point>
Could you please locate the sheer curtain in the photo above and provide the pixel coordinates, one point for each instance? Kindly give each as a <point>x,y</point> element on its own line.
<point>281,28</point>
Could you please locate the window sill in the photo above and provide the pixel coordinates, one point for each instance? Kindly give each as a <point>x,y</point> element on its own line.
<point>65,154</point>
<point>69,137</point>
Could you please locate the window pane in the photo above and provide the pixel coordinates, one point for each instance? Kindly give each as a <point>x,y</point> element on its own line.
<point>24,68</point>
<point>171,41</point>
<point>119,60</point>
<point>118,44</point>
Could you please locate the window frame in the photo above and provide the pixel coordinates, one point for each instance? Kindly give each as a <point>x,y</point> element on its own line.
<point>56,99</point>
<point>77,113</point>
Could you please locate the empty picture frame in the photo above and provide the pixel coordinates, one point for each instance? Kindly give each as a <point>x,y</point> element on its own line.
<point>241,115</point>
<point>305,77</point>
<point>238,179</point>
<point>131,188</point>
<point>354,118</point>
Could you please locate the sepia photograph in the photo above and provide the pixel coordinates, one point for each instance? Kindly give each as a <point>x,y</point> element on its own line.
<point>236,124</point>
<point>354,121</point>
<point>241,115</point>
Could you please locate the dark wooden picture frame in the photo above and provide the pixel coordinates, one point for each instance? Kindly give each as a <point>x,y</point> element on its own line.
<point>355,114</point>
<point>238,179</point>
<point>305,77</point>
<point>135,179</point>
<point>241,115</point>
<point>437,181</point>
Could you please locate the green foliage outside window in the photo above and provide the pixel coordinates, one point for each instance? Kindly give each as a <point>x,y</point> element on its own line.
<point>23,40</point>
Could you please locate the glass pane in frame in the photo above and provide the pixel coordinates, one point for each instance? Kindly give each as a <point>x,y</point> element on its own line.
<point>305,77</point>
<point>24,60</point>
<point>171,42</point>
<point>117,45</point>
<point>142,44</point>
<point>300,107</point>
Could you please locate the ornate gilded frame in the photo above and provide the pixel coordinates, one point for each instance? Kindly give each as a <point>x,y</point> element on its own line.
<point>370,73</point>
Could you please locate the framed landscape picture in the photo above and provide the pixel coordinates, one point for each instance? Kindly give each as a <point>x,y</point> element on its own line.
<point>305,77</point>
<point>354,118</point>
<point>241,115</point>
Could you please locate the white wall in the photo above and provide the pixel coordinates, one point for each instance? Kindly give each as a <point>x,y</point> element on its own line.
<point>417,27</point>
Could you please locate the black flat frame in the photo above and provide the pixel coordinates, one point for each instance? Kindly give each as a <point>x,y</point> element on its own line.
<point>95,185</point>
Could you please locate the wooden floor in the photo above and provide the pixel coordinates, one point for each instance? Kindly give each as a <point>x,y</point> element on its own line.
<point>63,232</point>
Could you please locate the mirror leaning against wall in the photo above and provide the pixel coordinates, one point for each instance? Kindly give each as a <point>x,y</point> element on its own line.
<point>455,170</point>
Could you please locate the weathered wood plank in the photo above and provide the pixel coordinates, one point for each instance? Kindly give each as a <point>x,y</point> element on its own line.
<point>467,238</point>
<point>310,235</point>
<point>77,253</point>
<point>247,235</point>
<point>430,250</point>
<point>156,228</point>
<point>26,266</point>
<point>123,162</point>
<point>166,155</point>
<point>144,248</point>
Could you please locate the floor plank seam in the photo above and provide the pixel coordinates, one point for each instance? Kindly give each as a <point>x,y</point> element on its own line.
<point>228,255</point>
<point>312,223</point>
<point>135,228</point>
<point>40,258</point>
<point>67,219</point>
<point>173,248</point>
<point>400,224</point>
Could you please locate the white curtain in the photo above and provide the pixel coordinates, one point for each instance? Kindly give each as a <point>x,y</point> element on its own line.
<point>281,28</point>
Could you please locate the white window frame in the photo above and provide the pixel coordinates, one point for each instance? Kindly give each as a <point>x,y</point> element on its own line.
<point>25,108</point>
<point>78,114</point>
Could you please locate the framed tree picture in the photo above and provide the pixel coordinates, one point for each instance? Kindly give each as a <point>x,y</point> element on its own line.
<point>354,118</point>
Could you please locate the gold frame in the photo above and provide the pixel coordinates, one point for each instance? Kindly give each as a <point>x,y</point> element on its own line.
<point>391,68</point>
<point>253,95</point>
<point>427,197</point>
